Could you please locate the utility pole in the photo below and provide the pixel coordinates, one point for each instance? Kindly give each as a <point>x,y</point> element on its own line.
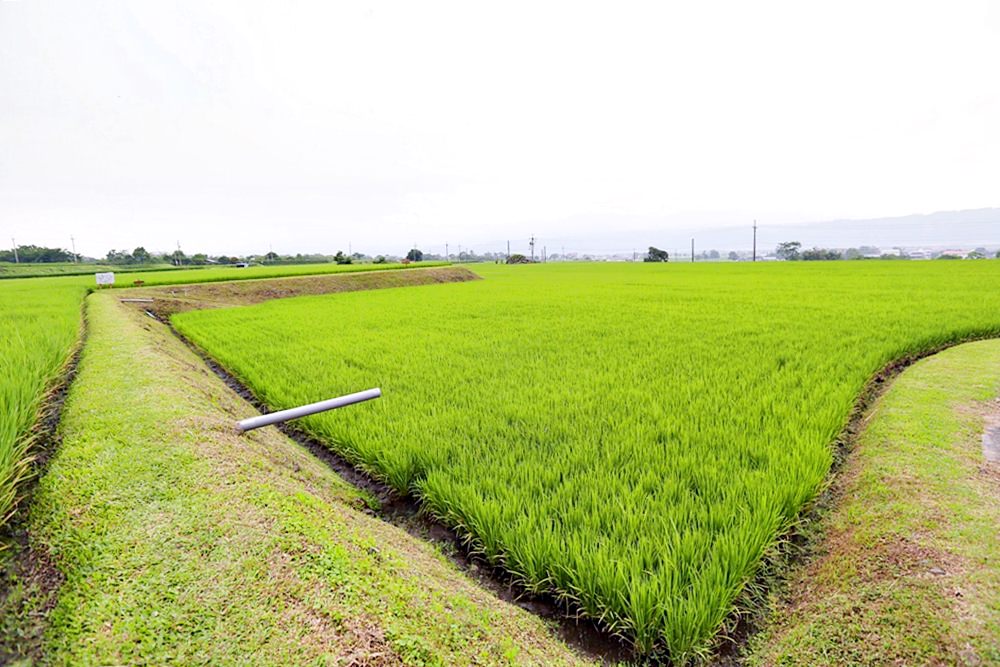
<point>544,254</point>
<point>13,243</point>
<point>532,244</point>
<point>446,256</point>
<point>633,255</point>
<point>76,257</point>
<point>692,251</point>
<point>508,249</point>
<point>755,240</point>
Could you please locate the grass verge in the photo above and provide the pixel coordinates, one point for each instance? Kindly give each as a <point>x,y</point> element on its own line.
<point>906,571</point>
<point>180,542</point>
<point>176,299</point>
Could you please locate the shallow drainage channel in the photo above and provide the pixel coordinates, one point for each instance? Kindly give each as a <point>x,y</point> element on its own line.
<point>991,443</point>
<point>581,633</point>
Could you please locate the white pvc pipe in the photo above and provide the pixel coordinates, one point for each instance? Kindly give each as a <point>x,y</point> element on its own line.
<point>311,409</point>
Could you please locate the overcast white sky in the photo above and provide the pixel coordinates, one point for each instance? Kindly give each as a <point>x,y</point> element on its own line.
<point>237,126</point>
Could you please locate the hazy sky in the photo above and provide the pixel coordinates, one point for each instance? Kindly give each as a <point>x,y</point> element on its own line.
<point>238,126</point>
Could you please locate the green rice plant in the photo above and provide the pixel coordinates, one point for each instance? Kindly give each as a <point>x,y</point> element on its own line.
<point>39,324</point>
<point>631,438</point>
<point>217,274</point>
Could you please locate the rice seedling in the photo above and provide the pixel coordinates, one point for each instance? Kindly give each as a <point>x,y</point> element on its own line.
<point>39,323</point>
<point>629,437</point>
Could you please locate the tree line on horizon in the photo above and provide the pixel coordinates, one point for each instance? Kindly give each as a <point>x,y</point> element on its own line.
<point>788,251</point>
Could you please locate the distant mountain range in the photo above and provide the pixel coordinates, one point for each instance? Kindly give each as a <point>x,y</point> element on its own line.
<point>961,229</point>
<point>945,229</point>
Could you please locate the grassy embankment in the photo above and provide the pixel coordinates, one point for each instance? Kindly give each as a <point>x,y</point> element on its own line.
<point>226,273</point>
<point>180,542</point>
<point>906,570</point>
<point>39,324</point>
<point>8,270</point>
<point>171,299</point>
<point>630,437</point>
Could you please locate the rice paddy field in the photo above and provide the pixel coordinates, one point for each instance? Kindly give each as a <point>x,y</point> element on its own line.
<point>33,270</point>
<point>39,322</point>
<point>226,273</point>
<point>631,438</point>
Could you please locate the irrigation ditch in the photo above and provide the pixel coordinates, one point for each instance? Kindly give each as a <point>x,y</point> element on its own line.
<point>404,512</point>
<point>800,543</point>
<point>29,579</point>
<point>796,547</point>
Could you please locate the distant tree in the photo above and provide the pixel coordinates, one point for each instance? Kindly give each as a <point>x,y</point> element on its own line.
<point>33,254</point>
<point>199,258</point>
<point>997,255</point>
<point>733,256</point>
<point>518,258</point>
<point>415,255</point>
<point>948,255</point>
<point>341,258</point>
<point>272,256</point>
<point>177,257</point>
<point>852,253</point>
<point>656,255</point>
<point>788,250</point>
<point>141,256</point>
<point>868,250</point>
<point>820,254</point>
<point>713,254</point>
<point>975,254</point>
<point>379,260</point>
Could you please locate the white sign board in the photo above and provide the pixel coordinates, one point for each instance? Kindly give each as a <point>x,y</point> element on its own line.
<point>105,278</point>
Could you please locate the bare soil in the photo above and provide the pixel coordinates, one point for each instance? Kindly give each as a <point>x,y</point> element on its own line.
<point>171,299</point>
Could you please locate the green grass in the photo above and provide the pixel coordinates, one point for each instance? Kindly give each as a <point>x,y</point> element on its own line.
<point>39,324</point>
<point>181,542</point>
<point>631,437</point>
<point>227,273</point>
<point>915,495</point>
<point>8,270</point>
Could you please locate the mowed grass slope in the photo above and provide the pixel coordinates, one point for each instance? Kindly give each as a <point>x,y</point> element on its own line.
<point>632,437</point>
<point>40,320</point>
<point>39,324</point>
<point>907,567</point>
<point>181,542</point>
